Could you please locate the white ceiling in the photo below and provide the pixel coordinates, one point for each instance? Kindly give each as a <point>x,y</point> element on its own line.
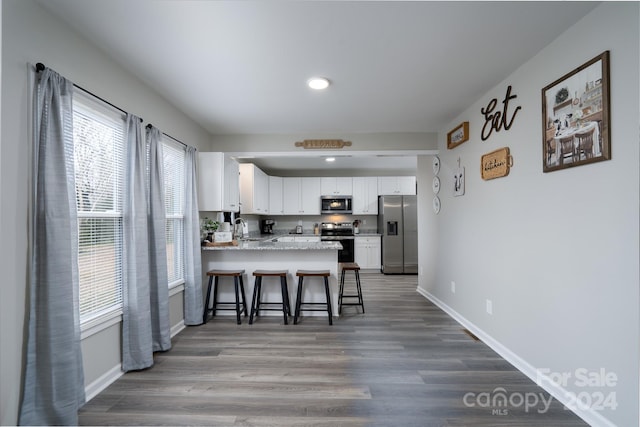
<point>241,66</point>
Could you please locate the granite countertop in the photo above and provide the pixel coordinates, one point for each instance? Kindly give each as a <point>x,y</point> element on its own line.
<point>268,245</point>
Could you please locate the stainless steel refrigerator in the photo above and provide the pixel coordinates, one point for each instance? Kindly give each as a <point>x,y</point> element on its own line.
<point>398,224</point>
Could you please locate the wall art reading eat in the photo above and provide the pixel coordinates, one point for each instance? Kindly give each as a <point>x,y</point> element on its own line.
<point>498,119</point>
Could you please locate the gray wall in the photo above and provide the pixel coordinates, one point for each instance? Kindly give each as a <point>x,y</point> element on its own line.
<point>557,253</point>
<point>30,35</point>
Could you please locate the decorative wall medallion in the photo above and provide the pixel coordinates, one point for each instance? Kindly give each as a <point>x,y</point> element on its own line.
<point>325,144</point>
<point>436,165</point>
<point>436,204</point>
<point>435,185</point>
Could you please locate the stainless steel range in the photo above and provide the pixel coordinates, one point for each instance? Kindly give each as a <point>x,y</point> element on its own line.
<point>341,232</point>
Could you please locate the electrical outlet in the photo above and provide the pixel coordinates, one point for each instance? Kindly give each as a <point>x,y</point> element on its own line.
<point>489,307</point>
<point>453,287</point>
<point>364,222</point>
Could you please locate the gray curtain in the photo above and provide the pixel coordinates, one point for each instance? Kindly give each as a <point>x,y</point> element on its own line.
<point>54,380</point>
<point>137,342</point>
<point>158,280</point>
<point>193,300</point>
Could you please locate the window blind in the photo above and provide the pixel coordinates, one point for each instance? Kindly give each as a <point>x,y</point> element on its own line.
<point>99,154</point>
<point>174,184</point>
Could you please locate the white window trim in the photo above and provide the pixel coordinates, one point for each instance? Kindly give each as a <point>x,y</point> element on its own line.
<point>100,323</point>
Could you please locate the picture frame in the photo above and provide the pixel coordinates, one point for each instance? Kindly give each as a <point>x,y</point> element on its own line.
<point>575,117</point>
<point>458,135</point>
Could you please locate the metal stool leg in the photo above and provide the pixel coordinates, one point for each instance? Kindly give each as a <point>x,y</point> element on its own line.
<point>327,291</point>
<point>206,301</point>
<point>244,298</point>
<point>284,291</point>
<point>256,291</point>
<point>236,286</point>
<point>298,301</point>
<point>215,296</point>
<point>360,299</point>
<point>341,292</point>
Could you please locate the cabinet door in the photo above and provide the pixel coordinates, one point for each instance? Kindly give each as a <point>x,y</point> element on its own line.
<point>310,196</point>
<point>231,196</point>
<point>261,192</point>
<point>407,185</point>
<point>360,255</point>
<point>291,196</point>
<point>344,186</point>
<point>254,189</point>
<point>374,252</point>
<point>275,196</point>
<point>367,252</point>
<point>365,195</point>
<point>332,186</point>
<point>210,181</point>
<point>396,185</point>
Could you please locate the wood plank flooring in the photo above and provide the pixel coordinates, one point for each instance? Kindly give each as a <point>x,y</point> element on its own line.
<point>403,363</point>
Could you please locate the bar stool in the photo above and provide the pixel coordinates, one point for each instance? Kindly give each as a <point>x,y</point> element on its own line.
<point>239,287</point>
<point>350,266</point>
<point>313,273</point>
<point>256,302</point>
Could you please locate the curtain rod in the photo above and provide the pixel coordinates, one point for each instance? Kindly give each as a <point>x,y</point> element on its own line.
<point>40,67</point>
<point>168,136</point>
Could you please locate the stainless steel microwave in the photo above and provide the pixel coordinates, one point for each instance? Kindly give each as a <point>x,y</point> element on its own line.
<point>335,205</point>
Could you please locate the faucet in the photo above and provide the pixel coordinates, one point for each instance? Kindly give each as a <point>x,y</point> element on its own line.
<point>241,229</point>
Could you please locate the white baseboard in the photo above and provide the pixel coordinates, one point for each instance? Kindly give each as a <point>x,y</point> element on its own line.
<point>589,415</point>
<point>177,328</point>
<point>109,377</point>
<point>104,381</point>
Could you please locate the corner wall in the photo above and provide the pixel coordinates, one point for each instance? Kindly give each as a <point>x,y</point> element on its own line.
<point>30,35</point>
<point>556,253</point>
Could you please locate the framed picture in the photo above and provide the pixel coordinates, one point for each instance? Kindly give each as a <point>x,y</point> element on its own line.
<point>575,117</point>
<point>458,135</point>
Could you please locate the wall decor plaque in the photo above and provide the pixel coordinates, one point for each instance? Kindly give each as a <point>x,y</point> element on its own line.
<point>458,135</point>
<point>496,164</point>
<point>323,144</point>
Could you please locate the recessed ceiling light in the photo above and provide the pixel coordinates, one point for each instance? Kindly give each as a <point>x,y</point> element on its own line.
<point>318,83</point>
<point>330,159</point>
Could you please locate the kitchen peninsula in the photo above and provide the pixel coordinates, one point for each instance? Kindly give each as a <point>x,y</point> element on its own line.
<point>270,254</point>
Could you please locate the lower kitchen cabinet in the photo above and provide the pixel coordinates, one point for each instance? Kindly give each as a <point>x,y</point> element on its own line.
<point>368,250</point>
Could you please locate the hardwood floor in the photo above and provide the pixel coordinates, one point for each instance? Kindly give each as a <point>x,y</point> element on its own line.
<point>403,363</point>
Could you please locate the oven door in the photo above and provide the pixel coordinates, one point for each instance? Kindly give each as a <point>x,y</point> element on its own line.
<point>347,252</point>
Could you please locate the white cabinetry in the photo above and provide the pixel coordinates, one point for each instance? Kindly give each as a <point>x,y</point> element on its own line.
<point>301,196</point>
<point>396,185</point>
<point>332,186</point>
<point>218,183</point>
<point>368,251</point>
<point>365,195</point>
<point>276,205</point>
<point>254,190</point>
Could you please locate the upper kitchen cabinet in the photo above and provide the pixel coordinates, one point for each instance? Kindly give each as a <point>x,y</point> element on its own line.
<point>301,196</point>
<point>254,190</point>
<point>396,185</point>
<point>276,201</point>
<point>218,183</point>
<point>332,186</point>
<point>365,195</point>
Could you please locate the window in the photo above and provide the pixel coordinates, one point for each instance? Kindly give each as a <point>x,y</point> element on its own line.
<point>174,170</point>
<point>99,154</point>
